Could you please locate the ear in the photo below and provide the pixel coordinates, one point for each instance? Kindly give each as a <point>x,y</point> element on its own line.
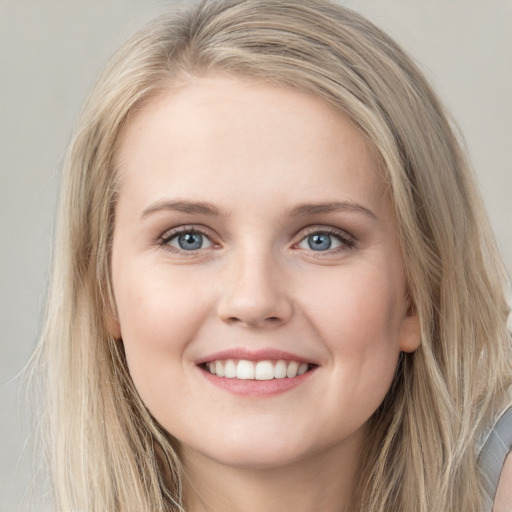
<point>113,327</point>
<point>112,321</point>
<point>410,334</point>
<point>111,316</point>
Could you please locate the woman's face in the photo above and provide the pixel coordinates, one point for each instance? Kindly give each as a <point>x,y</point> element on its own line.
<point>254,238</point>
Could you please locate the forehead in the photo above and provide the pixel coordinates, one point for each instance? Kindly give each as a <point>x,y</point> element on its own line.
<point>222,135</point>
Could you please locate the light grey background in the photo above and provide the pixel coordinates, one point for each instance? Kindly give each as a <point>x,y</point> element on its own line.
<point>50,53</point>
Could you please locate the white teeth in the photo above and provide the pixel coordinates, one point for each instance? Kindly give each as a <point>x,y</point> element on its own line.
<point>261,370</point>
<point>245,370</point>
<point>230,369</point>
<point>280,370</point>
<point>293,367</point>
<point>264,370</point>
<point>303,368</point>
<point>219,368</point>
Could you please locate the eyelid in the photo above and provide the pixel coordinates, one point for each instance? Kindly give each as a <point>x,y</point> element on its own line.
<point>348,241</point>
<point>164,239</point>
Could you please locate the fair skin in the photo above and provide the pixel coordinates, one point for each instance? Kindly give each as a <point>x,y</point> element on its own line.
<point>503,499</point>
<point>253,224</point>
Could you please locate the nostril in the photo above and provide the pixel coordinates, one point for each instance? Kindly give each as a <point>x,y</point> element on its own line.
<point>253,309</point>
<point>272,319</point>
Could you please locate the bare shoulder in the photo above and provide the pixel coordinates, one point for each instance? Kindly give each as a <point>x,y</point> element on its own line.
<point>503,500</point>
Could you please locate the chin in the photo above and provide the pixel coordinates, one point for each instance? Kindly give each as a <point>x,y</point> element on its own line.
<point>257,457</point>
<point>249,453</point>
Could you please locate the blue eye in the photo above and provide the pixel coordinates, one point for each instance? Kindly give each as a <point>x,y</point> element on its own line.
<point>188,241</point>
<point>321,241</point>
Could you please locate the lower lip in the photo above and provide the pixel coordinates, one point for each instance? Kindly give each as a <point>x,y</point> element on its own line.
<point>257,388</point>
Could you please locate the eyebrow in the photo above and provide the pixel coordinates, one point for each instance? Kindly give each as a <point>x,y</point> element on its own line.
<point>205,208</point>
<point>194,208</point>
<point>332,207</point>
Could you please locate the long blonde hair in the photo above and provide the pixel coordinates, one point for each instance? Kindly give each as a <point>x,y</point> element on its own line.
<point>104,450</point>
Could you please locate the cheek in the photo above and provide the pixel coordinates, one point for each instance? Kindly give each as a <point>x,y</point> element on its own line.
<point>356,313</point>
<point>358,310</point>
<point>154,301</point>
<point>158,315</point>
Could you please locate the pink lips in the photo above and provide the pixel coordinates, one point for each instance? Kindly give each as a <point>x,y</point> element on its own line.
<point>256,355</point>
<point>255,388</point>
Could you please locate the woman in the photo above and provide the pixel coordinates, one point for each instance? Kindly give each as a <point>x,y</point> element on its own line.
<point>275,287</point>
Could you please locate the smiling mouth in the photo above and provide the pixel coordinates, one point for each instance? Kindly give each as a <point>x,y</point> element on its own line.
<point>244,369</point>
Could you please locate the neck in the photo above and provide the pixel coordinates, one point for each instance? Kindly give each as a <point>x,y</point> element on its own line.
<point>324,482</point>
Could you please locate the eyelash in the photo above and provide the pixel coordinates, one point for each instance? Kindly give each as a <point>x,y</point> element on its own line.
<point>163,240</point>
<point>348,242</point>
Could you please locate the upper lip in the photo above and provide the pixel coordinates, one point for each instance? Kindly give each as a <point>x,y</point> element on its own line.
<point>254,355</point>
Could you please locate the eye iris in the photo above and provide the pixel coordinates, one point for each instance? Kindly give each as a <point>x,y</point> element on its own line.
<point>319,241</point>
<point>190,241</point>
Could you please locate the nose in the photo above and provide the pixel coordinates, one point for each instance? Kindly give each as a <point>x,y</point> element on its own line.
<point>255,292</point>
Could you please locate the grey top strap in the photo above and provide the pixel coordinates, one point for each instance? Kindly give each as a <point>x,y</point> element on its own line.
<point>492,456</point>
